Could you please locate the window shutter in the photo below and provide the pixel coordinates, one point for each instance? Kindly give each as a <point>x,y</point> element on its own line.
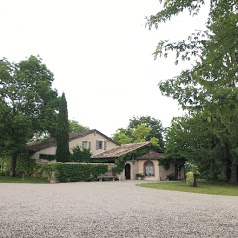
<point>105,145</point>
<point>97,145</point>
<point>89,144</point>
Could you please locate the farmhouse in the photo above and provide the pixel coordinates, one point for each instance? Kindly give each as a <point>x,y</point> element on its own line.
<point>139,160</point>
<point>94,140</point>
<point>136,160</point>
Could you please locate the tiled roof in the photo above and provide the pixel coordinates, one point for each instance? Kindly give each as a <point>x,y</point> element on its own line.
<point>152,155</point>
<point>120,150</point>
<point>40,145</point>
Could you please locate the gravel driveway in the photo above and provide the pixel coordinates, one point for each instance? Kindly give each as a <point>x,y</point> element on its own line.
<point>113,209</point>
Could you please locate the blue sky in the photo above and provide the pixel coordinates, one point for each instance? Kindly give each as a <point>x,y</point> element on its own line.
<point>100,53</point>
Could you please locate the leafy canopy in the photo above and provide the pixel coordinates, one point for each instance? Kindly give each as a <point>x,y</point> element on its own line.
<point>209,90</point>
<point>141,129</point>
<point>27,104</point>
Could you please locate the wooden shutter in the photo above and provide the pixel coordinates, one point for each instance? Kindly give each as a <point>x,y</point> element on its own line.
<point>105,145</point>
<point>97,145</point>
<point>89,144</point>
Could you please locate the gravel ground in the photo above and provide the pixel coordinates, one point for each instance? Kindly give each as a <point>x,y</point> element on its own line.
<point>113,209</point>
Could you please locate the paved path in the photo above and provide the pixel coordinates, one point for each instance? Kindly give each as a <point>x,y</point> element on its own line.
<point>112,209</point>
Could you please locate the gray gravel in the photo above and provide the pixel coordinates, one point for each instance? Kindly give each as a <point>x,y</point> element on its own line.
<point>113,209</point>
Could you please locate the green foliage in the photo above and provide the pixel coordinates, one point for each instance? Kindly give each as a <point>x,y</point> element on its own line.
<point>208,136</point>
<point>74,126</point>
<point>62,139</point>
<point>140,129</point>
<point>79,172</point>
<point>141,132</point>
<point>120,161</point>
<point>121,137</point>
<point>81,154</point>
<point>27,167</point>
<point>27,104</point>
<point>190,178</point>
<point>44,170</point>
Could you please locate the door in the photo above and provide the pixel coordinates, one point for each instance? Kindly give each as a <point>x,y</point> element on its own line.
<point>128,171</point>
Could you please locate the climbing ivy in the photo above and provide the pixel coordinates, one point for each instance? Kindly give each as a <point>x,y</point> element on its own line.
<point>120,161</point>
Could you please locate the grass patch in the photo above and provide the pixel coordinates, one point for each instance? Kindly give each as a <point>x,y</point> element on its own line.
<point>203,187</point>
<point>7,179</point>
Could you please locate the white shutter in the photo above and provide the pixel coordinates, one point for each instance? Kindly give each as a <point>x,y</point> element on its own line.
<point>97,145</point>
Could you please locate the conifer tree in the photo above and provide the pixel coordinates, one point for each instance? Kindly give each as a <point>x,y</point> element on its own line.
<point>62,137</point>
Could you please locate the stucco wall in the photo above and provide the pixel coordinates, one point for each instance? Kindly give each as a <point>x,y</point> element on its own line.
<point>137,166</point>
<point>93,137</point>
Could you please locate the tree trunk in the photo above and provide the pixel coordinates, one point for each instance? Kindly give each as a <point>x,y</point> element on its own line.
<point>233,173</point>
<point>13,165</point>
<point>195,180</point>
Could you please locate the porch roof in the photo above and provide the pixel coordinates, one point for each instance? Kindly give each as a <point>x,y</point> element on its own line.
<point>120,150</point>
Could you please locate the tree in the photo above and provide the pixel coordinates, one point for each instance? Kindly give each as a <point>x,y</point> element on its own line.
<point>74,126</point>
<point>62,138</point>
<point>27,105</point>
<point>141,132</point>
<point>121,137</point>
<point>211,85</point>
<point>141,129</point>
<point>154,124</point>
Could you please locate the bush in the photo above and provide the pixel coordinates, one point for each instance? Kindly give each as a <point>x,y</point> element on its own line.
<point>79,172</point>
<point>25,165</point>
<point>81,155</point>
<point>43,170</point>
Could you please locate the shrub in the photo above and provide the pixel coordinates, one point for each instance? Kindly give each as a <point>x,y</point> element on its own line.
<point>81,155</point>
<point>189,178</point>
<point>44,170</point>
<point>25,165</point>
<point>79,172</point>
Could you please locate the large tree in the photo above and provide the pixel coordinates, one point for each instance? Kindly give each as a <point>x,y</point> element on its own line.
<point>74,126</point>
<point>27,104</point>
<point>62,135</point>
<point>141,129</point>
<point>211,85</point>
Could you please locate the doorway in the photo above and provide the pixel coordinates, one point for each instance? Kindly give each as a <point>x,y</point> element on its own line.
<point>128,171</point>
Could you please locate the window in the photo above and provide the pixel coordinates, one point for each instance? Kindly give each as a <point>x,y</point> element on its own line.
<point>100,144</point>
<point>86,144</point>
<point>149,168</point>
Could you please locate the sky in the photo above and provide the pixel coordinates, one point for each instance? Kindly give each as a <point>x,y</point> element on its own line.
<point>100,53</point>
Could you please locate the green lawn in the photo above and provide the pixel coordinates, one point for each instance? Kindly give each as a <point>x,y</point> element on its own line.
<point>7,179</point>
<point>203,187</point>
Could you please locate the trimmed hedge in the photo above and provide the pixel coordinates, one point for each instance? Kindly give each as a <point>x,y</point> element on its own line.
<point>79,172</point>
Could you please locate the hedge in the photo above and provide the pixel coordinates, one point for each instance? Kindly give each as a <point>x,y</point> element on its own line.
<point>79,172</point>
